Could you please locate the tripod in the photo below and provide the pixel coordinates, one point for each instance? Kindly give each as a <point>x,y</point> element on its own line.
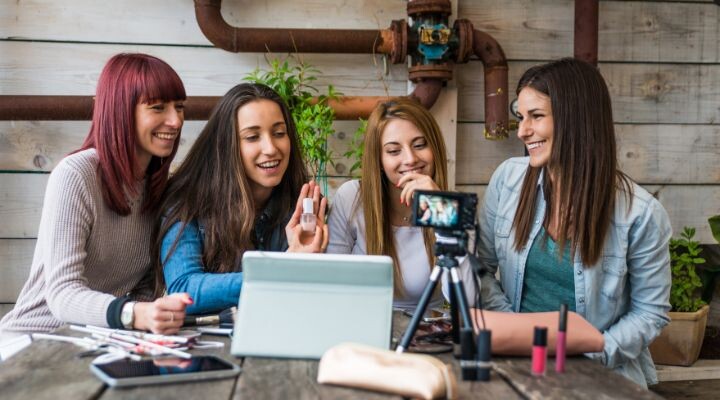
<point>447,250</point>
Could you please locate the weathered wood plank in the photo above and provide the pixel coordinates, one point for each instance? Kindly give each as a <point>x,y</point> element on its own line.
<point>5,308</point>
<point>686,205</point>
<point>39,68</point>
<point>170,22</point>
<point>296,379</point>
<point>641,31</point>
<point>650,154</point>
<point>583,379</point>
<point>641,93</point>
<point>16,256</point>
<point>21,200</point>
<point>49,370</point>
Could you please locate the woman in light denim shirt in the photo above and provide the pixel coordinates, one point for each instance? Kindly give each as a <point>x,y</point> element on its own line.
<point>235,192</point>
<point>613,233</point>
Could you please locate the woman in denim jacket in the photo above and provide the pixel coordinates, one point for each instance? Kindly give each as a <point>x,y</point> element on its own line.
<point>235,192</point>
<point>564,225</point>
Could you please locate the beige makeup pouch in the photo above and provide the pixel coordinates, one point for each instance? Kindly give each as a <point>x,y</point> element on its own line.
<point>408,375</point>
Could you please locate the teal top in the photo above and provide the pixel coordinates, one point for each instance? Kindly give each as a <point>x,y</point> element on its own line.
<point>549,280</point>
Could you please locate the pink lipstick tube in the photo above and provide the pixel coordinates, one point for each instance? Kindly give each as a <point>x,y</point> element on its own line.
<point>561,340</point>
<point>539,351</point>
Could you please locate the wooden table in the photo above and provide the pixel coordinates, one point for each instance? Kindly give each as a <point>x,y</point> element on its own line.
<point>52,370</point>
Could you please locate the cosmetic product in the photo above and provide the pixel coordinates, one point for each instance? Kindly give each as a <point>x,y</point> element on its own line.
<point>483,355</point>
<point>561,340</point>
<point>467,358</point>
<point>539,351</point>
<point>226,316</point>
<point>308,218</point>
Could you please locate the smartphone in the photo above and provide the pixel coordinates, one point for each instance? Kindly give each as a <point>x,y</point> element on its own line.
<point>431,315</point>
<point>125,372</point>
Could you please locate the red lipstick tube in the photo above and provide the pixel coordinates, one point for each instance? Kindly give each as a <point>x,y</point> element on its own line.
<point>539,351</point>
<point>561,340</point>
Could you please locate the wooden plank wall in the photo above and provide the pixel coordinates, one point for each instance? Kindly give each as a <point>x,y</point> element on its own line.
<point>661,60</point>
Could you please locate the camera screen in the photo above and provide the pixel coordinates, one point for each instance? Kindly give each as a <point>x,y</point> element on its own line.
<point>438,210</point>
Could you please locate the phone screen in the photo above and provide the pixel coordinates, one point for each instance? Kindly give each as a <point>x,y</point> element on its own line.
<point>167,366</point>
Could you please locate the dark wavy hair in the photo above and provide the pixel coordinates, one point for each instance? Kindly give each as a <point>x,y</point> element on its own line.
<point>125,81</point>
<point>583,159</point>
<point>211,185</point>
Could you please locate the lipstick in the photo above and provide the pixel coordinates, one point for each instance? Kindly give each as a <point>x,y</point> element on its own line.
<point>561,340</point>
<point>539,351</point>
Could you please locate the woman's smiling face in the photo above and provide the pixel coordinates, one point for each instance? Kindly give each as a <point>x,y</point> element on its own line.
<point>536,125</point>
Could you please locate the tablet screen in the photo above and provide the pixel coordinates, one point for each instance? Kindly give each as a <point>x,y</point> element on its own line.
<point>167,366</point>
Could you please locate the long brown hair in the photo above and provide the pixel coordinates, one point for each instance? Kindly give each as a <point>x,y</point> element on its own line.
<point>127,80</point>
<point>374,185</point>
<point>583,159</point>
<point>211,185</point>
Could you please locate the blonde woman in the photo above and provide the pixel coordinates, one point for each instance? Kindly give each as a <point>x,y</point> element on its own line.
<point>404,152</point>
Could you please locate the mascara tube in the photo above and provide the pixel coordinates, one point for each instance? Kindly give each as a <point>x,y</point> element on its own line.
<point>561,340</point>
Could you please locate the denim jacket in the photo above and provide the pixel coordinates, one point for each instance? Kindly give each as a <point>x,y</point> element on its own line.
<point>184,270</point>
<point>625,295</point>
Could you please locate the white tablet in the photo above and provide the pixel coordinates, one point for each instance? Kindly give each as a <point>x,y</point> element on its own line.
<point>299,305</point>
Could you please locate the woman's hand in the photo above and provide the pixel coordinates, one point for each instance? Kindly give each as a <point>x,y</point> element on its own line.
<point>164,315</point>
<point>300,241</point>
<point>411,182</point>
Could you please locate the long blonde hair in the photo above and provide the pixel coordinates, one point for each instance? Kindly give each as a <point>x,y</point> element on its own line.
<point>374,188</point>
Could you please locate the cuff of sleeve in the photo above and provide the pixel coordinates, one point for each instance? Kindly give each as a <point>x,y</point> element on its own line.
<point>114,311</point>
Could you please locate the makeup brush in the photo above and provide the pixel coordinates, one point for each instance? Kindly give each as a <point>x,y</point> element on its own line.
<point>226,316</point>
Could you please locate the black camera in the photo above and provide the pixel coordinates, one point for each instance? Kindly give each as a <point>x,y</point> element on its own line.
<point>445,211</point>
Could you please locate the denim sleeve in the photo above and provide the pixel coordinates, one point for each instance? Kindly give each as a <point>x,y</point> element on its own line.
<point>493,297</point>
<point>184,272</point>
<point>648,262</point>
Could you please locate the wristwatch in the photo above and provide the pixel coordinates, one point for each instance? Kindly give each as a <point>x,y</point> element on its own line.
<point>127,315</point>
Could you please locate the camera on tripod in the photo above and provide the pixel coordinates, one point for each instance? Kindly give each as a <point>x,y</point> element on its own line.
<point>450,213</point>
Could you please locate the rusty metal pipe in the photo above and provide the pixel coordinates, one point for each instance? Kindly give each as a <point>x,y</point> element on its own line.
<point>260,40</point>
<point>496,84</point>
<point>586,30</point>
<point>79,108</point>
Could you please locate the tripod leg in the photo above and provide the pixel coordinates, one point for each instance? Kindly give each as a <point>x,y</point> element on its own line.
<point>461,297</point>
<point>455,318</point>
<point>419,310</point>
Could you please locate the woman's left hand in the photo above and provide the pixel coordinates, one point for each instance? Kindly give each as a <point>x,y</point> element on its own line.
<point>300,241</point>
<point>412,182</point>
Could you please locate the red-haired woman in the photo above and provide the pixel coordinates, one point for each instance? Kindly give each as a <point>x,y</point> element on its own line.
<point>93,246</point>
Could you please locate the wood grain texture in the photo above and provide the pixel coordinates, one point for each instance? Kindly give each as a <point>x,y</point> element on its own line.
<point>48,370</point>
<point>5,308</point>
<point>650,154</point>
<point>172,22</point>
<point>16,256</point>
<point>37,68</point>
<point>638,31</point>
<point>641,93</point>
<point>583,379</point>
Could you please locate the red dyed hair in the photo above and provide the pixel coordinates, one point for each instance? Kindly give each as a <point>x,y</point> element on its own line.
<point>126,80</point>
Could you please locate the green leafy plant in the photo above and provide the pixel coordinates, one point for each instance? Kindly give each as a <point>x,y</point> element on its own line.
<point>356,148</point>
<point>310,111</point>
<point>684,257</point>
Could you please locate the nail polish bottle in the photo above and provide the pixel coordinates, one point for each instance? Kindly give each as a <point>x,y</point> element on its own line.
<point>539,351</point>
<point>308,219</point>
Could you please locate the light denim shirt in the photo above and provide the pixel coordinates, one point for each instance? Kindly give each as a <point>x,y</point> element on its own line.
<point>625,295</point>
<point>184,270</point>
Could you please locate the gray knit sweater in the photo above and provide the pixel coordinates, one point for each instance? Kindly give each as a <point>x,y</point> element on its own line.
<point>85,255</point>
